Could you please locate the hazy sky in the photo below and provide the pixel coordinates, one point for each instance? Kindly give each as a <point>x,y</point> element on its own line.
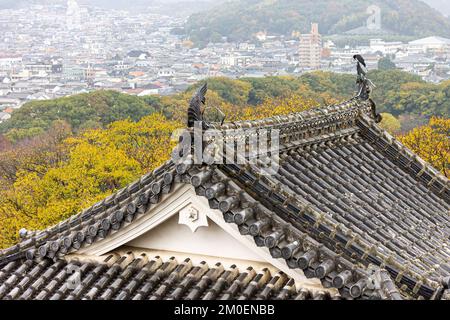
<point>441,5</point>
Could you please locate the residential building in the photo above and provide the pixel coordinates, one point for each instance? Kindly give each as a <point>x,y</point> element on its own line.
<point>310,49</point>
<point>435,45</point>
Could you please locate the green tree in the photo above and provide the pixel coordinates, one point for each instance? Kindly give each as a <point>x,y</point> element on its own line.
<point>386,64</point>
<point>232,91</point>
<point>101,107</point>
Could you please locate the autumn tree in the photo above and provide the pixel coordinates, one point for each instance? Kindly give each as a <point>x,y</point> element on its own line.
<point>390,123</point>
<point>4,143</point>
<point>96,163</point>
<point>233,91</point>
<point>35,154</point>
<point>431,142</point>
<point>276,107</point>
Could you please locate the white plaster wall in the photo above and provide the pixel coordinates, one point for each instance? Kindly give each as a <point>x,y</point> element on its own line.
<point>210,241</point>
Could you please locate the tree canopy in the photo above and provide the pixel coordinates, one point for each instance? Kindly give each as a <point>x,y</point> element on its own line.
<point>83,111</point>
<point>386,63</point>
<point>431,142</point>
<point>239,20</point>
<point>58,177</point>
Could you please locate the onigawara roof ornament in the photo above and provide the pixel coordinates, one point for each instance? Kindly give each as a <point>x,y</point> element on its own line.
<point>365,85</point>
<point>197,108</point>
<point>362,81</point>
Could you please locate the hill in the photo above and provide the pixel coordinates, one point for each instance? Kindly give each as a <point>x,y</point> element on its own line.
<point>83,111</point>
<point>239,19</point>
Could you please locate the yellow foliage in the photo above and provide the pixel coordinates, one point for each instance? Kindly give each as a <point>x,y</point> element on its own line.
<point>91,166</point>
<point>431,143</point>
<point>99,162</point>
<point>390,123</point>
<point>274,107</point>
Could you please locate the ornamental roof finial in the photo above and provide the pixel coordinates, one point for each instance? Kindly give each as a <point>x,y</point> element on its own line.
<point>365,85</point>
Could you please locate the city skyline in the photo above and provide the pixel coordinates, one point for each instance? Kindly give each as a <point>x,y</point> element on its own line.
<point>60,50</point>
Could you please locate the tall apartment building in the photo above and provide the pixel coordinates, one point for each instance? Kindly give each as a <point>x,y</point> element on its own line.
<point>73,15</point>
<point>311,48</point>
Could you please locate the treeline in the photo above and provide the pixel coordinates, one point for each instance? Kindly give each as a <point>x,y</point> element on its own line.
<point>407,97</point>
<point>83,111</point>
<point>238,20</point>
<point>411,100</point>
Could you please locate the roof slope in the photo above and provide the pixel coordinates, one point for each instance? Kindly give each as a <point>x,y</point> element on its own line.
<point>349,205</point>
<point>140,277</point>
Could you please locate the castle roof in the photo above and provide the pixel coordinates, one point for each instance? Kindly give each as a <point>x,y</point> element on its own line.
<point>349,205</point>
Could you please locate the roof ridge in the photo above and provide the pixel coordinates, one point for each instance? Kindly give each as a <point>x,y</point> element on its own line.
<point>336,122</point>
<point>406,158</point>
<point>330,110</point>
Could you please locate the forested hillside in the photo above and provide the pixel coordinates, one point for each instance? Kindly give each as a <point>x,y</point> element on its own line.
<point>239,19</point>
<point>404,95</point>
<point>82,111</point>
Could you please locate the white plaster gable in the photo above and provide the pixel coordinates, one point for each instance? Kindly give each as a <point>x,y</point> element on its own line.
<point>209,240</point>
<point>202,232</point>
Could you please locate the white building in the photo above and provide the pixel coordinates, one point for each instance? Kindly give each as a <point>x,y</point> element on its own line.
<point>386,48</point>
<point>4,116</point>
<point>245,46</point>
<point>311,48</point>
<point>436,45</point>
<point>236,61</point>
<point>73,15</point>
<point>166,73</point>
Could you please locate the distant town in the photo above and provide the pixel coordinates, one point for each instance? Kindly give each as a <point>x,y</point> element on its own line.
<point>48,52</point>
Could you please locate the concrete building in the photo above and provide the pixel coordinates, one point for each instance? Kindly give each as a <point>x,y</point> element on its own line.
<point>386,48</point>
<point>236,60</point>
<point>4,116</point>
<point>311,48</point>
<point>73,15</point>
<point>435,45</point>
